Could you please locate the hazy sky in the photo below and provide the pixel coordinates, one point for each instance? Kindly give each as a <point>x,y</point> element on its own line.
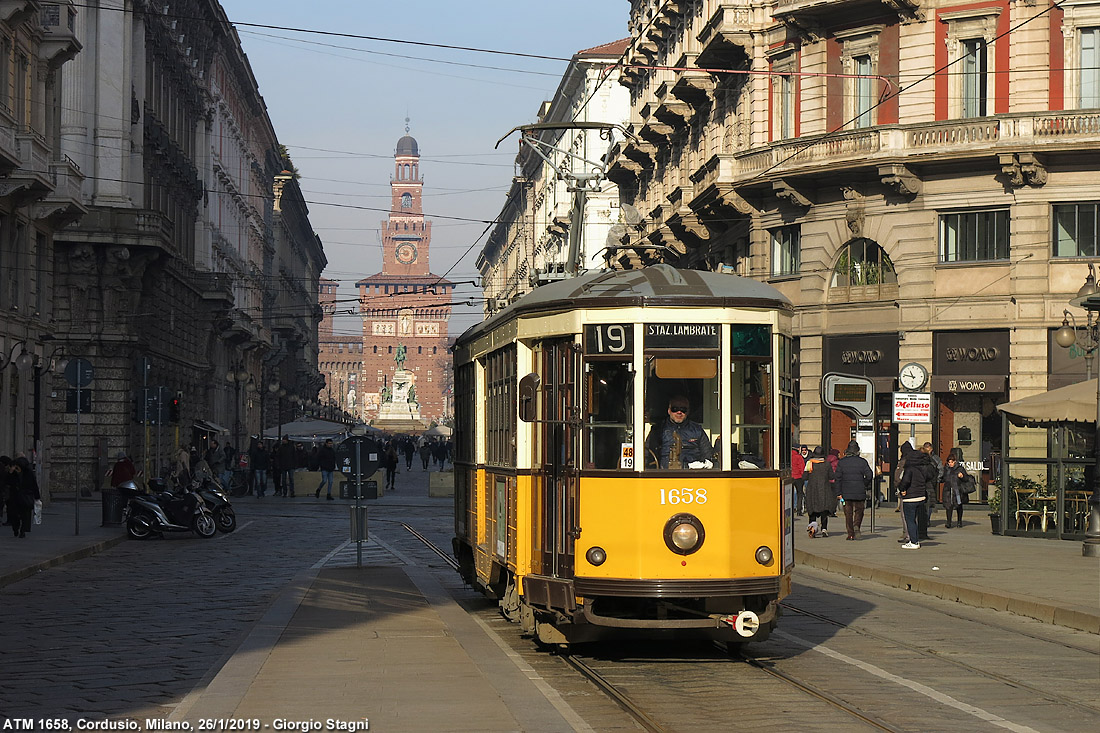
<point>339,104</point>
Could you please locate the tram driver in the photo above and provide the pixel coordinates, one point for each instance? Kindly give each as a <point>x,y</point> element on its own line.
<point>679,442</point>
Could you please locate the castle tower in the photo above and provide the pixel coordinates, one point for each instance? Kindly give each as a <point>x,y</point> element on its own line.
<point>405,310</point>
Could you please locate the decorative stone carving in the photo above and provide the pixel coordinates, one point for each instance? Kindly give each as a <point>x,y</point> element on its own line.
<point>901,179</point>
<point>854,214</point>
<point>788,193</point>
<point>1033,169</point>
<point>1010,170</point>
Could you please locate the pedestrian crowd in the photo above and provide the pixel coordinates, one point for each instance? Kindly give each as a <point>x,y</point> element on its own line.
<point>823,482</point>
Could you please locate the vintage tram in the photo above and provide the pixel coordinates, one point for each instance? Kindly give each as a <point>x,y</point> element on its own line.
<point>567,509</point>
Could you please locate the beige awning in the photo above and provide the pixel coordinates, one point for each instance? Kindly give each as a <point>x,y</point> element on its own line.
<point>1072,403</point>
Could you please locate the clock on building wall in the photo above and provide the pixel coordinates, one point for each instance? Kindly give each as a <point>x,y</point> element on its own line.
<point>406,253</point>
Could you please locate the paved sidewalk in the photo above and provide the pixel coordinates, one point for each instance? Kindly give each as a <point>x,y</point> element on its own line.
<point>1044,579</point>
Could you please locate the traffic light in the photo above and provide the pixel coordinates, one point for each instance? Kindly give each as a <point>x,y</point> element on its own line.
<point>174,408</point>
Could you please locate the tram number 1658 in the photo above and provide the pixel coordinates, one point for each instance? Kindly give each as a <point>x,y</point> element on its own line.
<point>683,496</point>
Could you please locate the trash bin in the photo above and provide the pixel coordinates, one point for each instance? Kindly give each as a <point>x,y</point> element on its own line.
<point>358,523</point>
<point>113,503</point>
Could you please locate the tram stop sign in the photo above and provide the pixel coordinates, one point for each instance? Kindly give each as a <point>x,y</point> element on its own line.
<point>358,464</point>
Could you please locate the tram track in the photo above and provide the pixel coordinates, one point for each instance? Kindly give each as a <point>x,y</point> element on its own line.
<point>1011,681</point>
<point>638,713</point>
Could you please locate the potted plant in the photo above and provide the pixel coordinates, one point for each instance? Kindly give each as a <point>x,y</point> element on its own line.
<point>995,509</point>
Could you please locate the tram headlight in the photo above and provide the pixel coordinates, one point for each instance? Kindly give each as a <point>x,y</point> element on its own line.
<point>596,556</point>
<point>764,555</point>
<point>684,534</point>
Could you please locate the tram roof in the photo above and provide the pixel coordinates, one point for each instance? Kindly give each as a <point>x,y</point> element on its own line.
<point>656,285</point>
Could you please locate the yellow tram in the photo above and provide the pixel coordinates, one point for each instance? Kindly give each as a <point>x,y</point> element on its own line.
<point>574,507</point>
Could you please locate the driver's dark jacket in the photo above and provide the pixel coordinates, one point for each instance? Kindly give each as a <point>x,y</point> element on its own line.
<point>695,443</point>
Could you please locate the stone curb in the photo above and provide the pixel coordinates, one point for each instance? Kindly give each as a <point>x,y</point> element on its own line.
<point>78,554</point>
<point>1021,605</point>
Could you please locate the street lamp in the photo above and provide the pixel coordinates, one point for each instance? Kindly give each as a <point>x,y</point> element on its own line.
<point>1088,339</point>
<point>237,376</point>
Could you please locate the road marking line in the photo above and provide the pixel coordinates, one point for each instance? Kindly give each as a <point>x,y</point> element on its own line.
<point>915,686</point>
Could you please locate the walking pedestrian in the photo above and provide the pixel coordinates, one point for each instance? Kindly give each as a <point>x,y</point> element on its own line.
<point>798,469</point>
<point>25,492</point>
<point>853,478</point>
<point>390,458</point>
<point>9,481</point>
<point>287,462</point>
<point>409,451</point>
<point>820,495</point>
<point>425,453</point>
<point>957,486</point>
<point>326,461</point>
<point>914,492</point>
<point>259,461</point>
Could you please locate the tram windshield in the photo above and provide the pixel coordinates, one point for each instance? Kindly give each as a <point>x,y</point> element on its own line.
<point>682,410</point>
<point>750,392</point>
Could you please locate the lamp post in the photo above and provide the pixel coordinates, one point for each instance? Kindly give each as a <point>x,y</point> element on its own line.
<point>1088,340</point>
<point>237,376</point>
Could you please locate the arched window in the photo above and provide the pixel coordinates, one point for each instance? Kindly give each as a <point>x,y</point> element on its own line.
<point>863,271</point>
<point>406,203</point>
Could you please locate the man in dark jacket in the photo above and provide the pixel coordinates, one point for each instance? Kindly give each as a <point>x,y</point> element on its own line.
<point>258,462</point>
<point>913,489</point>
<point>679,441</point>
<point>853,477</point>
<point>326,461</point>
<point>286,461</point>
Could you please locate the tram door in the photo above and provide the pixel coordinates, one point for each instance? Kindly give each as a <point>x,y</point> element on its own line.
<point>560,452</point>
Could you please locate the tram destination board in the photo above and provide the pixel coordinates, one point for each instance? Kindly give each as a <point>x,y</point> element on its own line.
<point>681,336</point>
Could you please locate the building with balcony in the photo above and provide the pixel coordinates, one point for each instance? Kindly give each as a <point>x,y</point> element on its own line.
<point>917,177</point>
<point>177,284</point>
<point>531,243</point>
<point>39,195</point>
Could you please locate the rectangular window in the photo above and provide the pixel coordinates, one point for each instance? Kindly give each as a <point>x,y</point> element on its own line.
<point>786,103</point>
<point>1090,68</point>
<point>785,250</point>
<point>609,413</point>
<point>500,383</point>
<point>865,95</point>
<point>974,236</point>
<point>1075,230</point>
<point>974,68</point>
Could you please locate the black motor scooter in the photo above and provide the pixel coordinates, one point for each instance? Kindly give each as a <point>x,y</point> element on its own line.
<point>150,515</point>
<point>215,496</point>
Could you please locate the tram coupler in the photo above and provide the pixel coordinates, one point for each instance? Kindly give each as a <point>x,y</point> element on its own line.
<point>745,623</point>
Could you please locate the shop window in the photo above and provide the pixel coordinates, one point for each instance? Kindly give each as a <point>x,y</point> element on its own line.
<point>1075,230</point>
<point>974,236</point>
<point>863,271</point>
<point>785,250</point>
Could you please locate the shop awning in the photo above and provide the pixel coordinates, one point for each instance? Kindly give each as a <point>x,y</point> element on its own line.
<point>211,427</point>
<point>1073,403</point>
<point>307,430</point>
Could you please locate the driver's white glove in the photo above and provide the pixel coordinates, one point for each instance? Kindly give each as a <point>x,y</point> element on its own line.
<point>700,464</point>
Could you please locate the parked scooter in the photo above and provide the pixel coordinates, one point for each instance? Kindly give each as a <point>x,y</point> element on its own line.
<point>215,496</point>
<point>150,515</point>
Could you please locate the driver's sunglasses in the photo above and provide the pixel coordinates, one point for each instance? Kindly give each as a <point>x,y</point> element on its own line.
<point>678,409</point>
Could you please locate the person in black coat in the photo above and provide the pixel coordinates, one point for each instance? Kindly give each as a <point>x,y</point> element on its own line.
<point>820,494</point>
<point>913,489</point>
<point>853,477</point>
<point>955,482</point>
<point>25,493</point>
<point>326,462</point>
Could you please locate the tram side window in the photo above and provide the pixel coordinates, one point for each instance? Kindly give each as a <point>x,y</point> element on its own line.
<point>678,439</point>
<point>751,407</point>
<point>609,396</point>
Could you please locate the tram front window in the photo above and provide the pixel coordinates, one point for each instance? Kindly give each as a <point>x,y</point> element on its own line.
<point>609,414</point>
<point>681,400</point>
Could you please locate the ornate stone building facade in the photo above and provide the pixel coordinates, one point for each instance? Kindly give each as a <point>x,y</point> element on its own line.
<point>341,357</point>
<point>39,194</point>
<point>190,284</point>
<point>530,244</point>
<point>917,177</point>
<point>405,307</point>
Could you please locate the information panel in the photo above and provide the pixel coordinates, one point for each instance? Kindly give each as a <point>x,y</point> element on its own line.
<point>849,392</point>
<point>681,336</point>
<point>609,338</point>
